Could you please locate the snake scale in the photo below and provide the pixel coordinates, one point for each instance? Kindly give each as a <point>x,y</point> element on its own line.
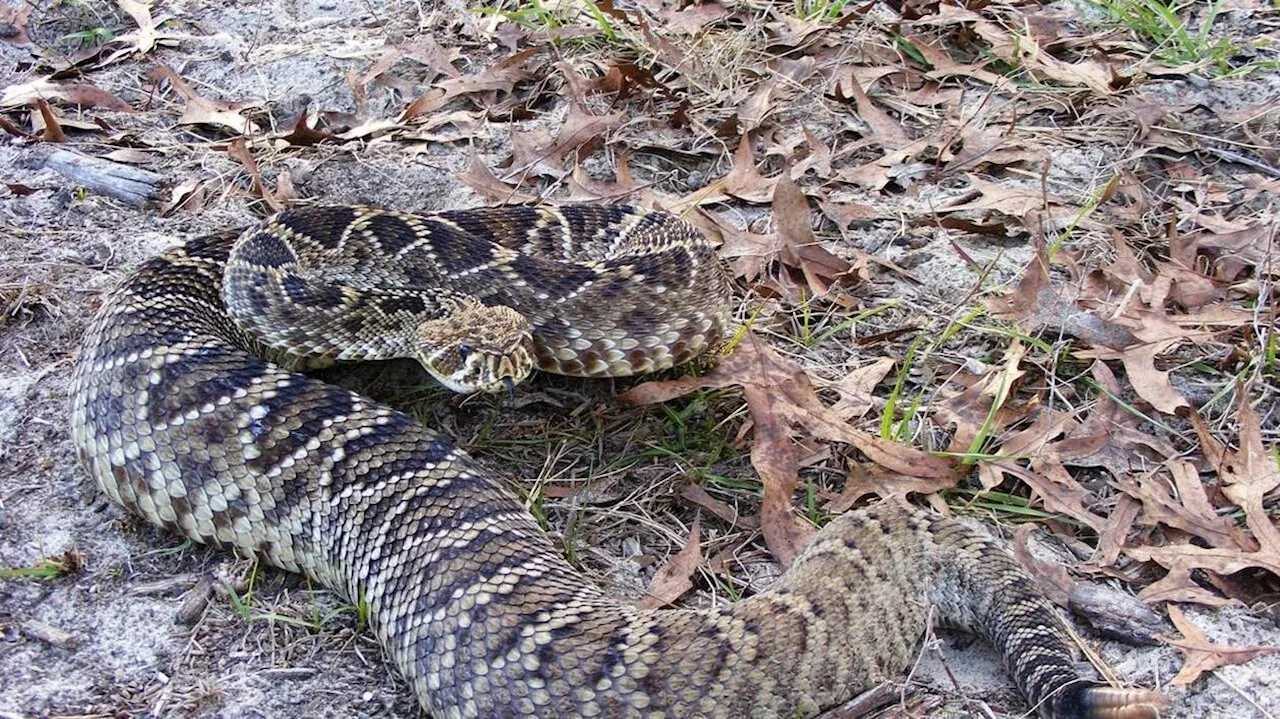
<point>180,417</point>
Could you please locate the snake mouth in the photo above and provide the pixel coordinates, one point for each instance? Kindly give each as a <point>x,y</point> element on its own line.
<point>491,373</point>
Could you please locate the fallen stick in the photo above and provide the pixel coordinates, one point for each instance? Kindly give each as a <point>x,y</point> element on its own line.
<point>130,185</point>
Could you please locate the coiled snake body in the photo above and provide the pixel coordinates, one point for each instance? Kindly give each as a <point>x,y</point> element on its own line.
<point>179,418</point>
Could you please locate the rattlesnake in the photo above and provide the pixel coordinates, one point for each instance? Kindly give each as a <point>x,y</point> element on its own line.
<point>178,416</point>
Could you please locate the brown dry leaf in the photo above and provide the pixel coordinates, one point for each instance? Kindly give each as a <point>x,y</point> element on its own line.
<point>1180,559</point>
<point>1052,578</point>
<point>699,496</point>
<point>818,158</point>
<point>581,128</point>
<point>790,31</point>
<point>690,19</point>
<point>776,461</point>
<point>140,41</point>
<point>1186,509</point>
<point>380,66</point>
<point>776,267</point>
<point>971,410</point>
<point>758,106</point>
<point>743,181</point>
<point>502,76</point>
<point>874,175</point>
<point>537,153</point>
<point>886,131</point>
<point>1017,202</point>
<point>13,129</point>
<point>1190,288</point>
<point>1045,425</point>
<point>856,388</point>
<point>844,214</point>
<point>130,156</point>
<point>478,177</point>
<point>798,247</point>
<point>585,188</point>
<point>239,149</point>
<point>145,37</point>
<point>676,576</point>
<point>51,129</point>
<point>904,460</point>
<point>769,383</point>
<point>1235,253</point>
<point>1247,474</point>
<point>447,127</point>
<point>304,135</point>
<point>201,111</point>
<point>1150,383</point>
<point>1045,475</point>
<point>1136,299</point>
<point>531,155</point>
<point>75,93</point>
<point>187,195</point>
<point>1113,538</point>
<point>990,147</point>
<point>1058,490</point>
<point>1202,655</point>
<point>751,362</point>
<point>1156,334</point>
<point>425,50</point>
<point>785,408</point>
<point>1022,50</point>
<point>370,127</point>
<point>748,253</point>
<point>944,66</point>
<point>869,479</point>
<point>1141,465</point>
<point>1036,304</point>
<point>285,191</point>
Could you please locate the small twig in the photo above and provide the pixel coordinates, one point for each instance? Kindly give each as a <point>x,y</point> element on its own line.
<point>1242,160</point>
<point>49,634</point>
<point>872,699</point>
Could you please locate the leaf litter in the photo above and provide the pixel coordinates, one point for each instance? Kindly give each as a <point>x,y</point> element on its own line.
<point>1117,386</point>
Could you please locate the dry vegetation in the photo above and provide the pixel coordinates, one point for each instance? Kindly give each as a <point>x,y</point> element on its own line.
<point>1013,259</point>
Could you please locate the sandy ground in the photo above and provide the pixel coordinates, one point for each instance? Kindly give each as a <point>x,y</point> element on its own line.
<point>119,637</point>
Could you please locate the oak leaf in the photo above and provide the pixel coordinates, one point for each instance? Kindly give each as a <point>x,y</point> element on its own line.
<point>81,94</point>
<point>1202,655</point>
<point>1248,474</point>
<point>699,496</point>
<point>797,245</point>
<point>785,409</point>
<point>198,110</point>
<point>676,576</point>
<point>277,201</point>
<point>887,131</point>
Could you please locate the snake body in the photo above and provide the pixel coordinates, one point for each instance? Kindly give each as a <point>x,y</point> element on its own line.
<point>180,419</point>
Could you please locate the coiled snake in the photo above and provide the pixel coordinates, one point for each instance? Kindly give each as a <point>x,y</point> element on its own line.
<point>178,416</point>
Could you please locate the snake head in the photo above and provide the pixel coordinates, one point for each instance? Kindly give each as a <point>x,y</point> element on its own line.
<point>477,348</point>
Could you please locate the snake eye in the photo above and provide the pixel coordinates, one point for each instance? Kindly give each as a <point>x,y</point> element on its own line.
<point>465,350</point>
